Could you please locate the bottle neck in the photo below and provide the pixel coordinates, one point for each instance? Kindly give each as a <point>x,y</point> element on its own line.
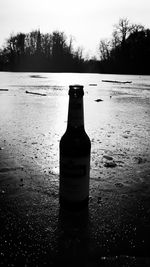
<point>75,113</point>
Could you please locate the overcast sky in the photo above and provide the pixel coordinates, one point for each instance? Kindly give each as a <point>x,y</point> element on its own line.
<point>88,21</point>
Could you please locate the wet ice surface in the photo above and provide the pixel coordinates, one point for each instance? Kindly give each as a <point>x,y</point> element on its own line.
<point>115,229</point>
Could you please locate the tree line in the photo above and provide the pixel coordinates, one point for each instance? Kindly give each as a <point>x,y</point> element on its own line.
<point>40,52</point>
<point>128,51</point>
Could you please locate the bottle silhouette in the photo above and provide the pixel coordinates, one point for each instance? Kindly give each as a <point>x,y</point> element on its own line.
<point>75,149</point>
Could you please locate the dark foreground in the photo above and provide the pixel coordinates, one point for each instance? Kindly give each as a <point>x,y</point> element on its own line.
<point>114,231</point>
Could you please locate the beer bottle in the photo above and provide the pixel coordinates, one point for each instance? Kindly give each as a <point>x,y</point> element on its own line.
<point>75,149</point>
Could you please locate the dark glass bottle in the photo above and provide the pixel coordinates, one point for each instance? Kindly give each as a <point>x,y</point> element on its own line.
<point>75,147</point>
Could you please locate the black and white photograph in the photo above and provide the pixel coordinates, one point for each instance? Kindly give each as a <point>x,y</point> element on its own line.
<point>75,133</point>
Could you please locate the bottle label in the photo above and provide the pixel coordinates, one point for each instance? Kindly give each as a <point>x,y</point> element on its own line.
<point>74,178</point>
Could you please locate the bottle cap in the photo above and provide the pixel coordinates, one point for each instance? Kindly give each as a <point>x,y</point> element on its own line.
<point>76,90</point>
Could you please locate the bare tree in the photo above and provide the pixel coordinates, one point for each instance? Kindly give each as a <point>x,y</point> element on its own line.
<point>122,30</point>
<point>104,49</point>
<point>136,28</point>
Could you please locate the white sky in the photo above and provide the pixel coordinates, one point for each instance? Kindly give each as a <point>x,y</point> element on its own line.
<point>88,21</point>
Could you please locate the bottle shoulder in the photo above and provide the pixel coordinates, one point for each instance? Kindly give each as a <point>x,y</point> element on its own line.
<point>75,134</point>
<point>75,143</point>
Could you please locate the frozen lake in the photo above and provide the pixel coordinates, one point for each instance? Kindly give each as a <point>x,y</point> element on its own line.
<point>118,126</point>
<point>116,228</point>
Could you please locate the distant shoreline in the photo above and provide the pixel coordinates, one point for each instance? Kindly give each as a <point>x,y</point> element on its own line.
<point>110,73</point>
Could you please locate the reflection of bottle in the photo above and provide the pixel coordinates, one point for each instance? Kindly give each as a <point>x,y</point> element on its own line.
<point>75,149</point>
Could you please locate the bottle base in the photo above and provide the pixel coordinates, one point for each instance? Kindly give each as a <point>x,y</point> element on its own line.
<point>73,206</point>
